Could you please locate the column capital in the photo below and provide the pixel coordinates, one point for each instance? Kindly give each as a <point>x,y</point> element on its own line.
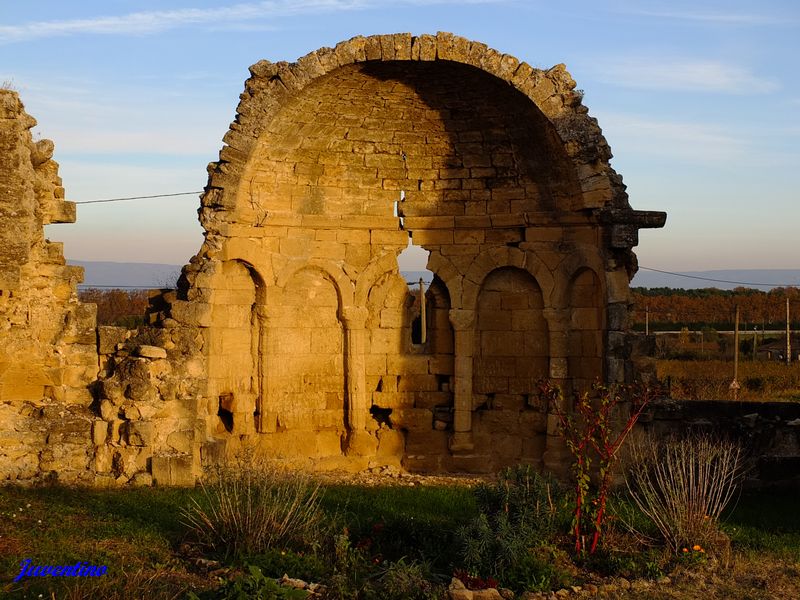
<point>355,317</point>
<point>557,318</point>
<point>461,318</point>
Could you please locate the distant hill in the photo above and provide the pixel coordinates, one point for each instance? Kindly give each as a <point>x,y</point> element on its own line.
<point>119,274</point>
<point>156,275</point>
<point>761,279</point>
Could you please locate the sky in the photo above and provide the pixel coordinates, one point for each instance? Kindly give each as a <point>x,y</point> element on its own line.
<point>699,101</point>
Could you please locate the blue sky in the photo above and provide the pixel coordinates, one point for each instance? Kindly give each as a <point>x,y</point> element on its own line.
<point>698,99</point>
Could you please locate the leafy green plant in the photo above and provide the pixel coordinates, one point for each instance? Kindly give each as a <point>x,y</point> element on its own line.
<point>351,567</point>
<point>276,563</point>
<point>526,496</point>
<point>536,570</point>
<point>251,586</point>
<point>405,580</point>
<point>519,512</point>
<point>248,508</point>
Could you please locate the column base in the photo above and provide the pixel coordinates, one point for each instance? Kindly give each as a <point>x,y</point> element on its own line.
<point>360,443</point>
<point>461,443</point>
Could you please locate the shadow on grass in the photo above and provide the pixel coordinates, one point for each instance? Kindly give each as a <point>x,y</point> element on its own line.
<point>418,523</point>
<point>766,520</point>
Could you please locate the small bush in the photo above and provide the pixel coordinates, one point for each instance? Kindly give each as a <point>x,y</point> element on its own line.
<point>537,570</point>
<point>401,580</point>
<point>351,568</point>
<point>683,485</point>
<point>247,509</point>
<point>276,563</point>
<point>251,586</point>
<point>521,511</point>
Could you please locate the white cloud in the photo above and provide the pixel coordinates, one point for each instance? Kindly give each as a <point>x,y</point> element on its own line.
<point>157,21</point>
<point>236,16</point>
<point>83,116</point>
<point>685,75</point>
<point>633,135</point>
<point>718,18</point>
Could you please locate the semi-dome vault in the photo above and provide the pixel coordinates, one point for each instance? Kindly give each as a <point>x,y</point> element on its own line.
<point>332,164</point>
<point>294,334</point>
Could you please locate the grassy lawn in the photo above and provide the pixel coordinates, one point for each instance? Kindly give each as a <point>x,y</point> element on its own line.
<point>138,535</point>
<point>134,532</point>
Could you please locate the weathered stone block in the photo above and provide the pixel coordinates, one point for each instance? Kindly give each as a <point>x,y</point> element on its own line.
<point>153,352</point>
<point>139,433</point>
<point>173,470</point>
<point>99,432</point>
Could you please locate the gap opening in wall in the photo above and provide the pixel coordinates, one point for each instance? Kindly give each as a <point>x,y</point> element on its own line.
<point>412,263</point>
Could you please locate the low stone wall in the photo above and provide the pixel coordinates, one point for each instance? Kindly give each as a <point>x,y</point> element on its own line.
<point>769,433</point>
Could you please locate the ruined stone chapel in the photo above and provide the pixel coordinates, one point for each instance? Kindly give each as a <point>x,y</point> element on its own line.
<point>292,333</point>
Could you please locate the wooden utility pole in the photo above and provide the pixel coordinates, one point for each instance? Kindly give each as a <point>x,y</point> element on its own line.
<point>788,334</point>
<point>647,320</point>
<point>734,387</point>
<point>422,316</point>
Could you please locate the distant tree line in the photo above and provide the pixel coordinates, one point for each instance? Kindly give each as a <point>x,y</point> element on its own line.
<point>673,308</point>
<point>123,308</point>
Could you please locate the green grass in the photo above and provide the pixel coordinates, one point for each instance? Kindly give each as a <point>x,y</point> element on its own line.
<point>413,522</point>
<point>134,532</point>
<point>137,533</point>
<point>767,521</point>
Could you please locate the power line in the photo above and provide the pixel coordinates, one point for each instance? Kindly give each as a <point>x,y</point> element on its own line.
<point>697,277</point>
<point>719,280</point>
<point>137,198</point>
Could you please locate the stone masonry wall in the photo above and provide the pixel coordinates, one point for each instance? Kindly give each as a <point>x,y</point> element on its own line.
<point>48,354</point>
<point>767,432</point>
<point>336,163</point>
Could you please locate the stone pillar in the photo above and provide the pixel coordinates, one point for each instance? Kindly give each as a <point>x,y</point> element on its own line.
<point>556,456</point>
<point>359,441</point>
<point>558,328</point>
<point>266,421</point>
<point>463,322</point>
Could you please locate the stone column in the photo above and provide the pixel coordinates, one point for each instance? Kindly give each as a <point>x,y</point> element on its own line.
<point>558,325</point>
<point>463,322</point>
<point>267,418</point>
<point>556,456</point>
<point>359,441</point>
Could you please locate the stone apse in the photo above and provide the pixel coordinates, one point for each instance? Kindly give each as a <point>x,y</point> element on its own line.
<point>293,334</point>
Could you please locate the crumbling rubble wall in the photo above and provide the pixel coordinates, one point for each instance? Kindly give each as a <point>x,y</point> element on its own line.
<point>48,353</point>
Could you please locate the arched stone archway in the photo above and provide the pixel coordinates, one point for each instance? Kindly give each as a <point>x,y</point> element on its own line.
<point>586,340</point>
<point>304,364</point>
<point>492,166</point>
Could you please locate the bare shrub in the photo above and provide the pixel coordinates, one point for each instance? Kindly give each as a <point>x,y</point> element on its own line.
<point>248,508</point>
<point>683,484</point>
